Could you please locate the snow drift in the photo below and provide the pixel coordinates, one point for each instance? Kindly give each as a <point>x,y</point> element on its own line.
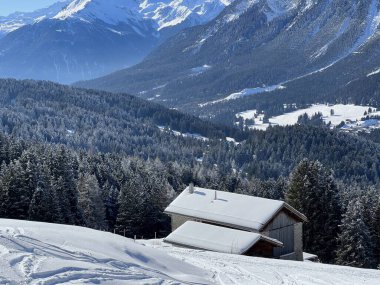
<point>41,253</point>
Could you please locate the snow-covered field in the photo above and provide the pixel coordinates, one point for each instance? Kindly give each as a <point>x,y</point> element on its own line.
<point>244,93</point>
<point>185,135</point>
<point>235,269</point>
<point>340,113</point>
<point>40,253</point>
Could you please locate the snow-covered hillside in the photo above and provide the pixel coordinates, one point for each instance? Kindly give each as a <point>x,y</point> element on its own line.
<point>169,13</point>
<point>40,253</point>
<point>333,114</point>
<point>111,11</point>
<point>235,269</point>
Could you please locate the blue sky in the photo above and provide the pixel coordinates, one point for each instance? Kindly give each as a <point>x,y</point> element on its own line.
<point>9,6</point>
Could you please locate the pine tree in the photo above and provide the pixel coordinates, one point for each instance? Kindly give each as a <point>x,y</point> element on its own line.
<point>16,195</point>
<point>63,169</point>
<point>129,217</point>
<point>370,199</point>
<point>376,238</point>
<point>111,204</point>
<point>40,208</point>
<point>313,191</point>
<point>90,202</point>
<point>355,246</point>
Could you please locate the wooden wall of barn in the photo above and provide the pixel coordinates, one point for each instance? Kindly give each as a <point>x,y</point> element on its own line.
<point>285,229</point>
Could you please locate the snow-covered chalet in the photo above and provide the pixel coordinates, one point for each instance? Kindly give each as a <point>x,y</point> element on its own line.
<point>234,223</point>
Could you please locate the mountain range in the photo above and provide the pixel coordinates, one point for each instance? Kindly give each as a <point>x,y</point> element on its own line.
<point>17,20</point>
<point>262,54</point>
<point>84,39</point>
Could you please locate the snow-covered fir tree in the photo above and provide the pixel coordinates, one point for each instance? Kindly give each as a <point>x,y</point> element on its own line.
<point>90,202</point>
<point>313,191</point>
<point>355,247</point>
<point>376,238</point>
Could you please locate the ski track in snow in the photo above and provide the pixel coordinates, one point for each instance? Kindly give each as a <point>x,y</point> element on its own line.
<point>38,253</point>
<point>235,269</point>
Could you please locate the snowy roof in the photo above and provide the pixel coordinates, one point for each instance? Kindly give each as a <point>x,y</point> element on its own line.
<point>215,238</point>
<point>241,211</point>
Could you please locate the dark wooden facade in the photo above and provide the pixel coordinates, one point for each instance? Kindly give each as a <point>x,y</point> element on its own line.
<point>261,249</point>
<point>287,228</point>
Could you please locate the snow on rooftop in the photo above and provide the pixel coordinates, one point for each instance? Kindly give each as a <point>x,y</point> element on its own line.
<point>215,238</point>
<point>246,212</point>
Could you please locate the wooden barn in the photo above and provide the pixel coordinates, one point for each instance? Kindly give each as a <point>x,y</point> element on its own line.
<point>274,228</point>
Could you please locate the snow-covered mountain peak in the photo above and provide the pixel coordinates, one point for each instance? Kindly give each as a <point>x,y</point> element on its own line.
<point>110,11</point>
<point>168,13</point>
<point>71,9</point>
<point>17,20</point>
<point>271,8</point>
<point>126,29</point>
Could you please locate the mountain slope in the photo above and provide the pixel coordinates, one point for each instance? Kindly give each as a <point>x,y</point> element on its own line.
<point>120,124</point>
<point>17,20</point>
<point>104,122</point>
<point>91,38</point>
<point>42,253</point>
<point>173,15</point>
<point>253,49</point>
<point>85,39</point>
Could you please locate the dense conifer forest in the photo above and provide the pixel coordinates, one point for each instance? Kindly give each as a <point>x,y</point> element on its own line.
<point>114,162</point>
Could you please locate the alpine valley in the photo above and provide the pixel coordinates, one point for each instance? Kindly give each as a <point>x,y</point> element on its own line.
<point>83,39</point>
<point>262,54</point>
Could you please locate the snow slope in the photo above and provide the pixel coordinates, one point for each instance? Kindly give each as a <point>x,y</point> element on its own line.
<point>235,269</point>
<point>169,13</point>
<point>341,113</point>
<point>165,13</point>
<point>111,12</point>
<point>244,93</point>
<point>41,253</point>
